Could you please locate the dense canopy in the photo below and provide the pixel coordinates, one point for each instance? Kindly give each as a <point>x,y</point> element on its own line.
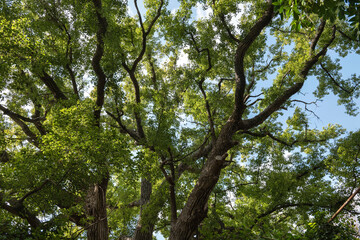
<point>131,120</point>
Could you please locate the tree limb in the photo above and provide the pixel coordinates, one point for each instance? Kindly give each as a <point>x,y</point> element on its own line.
<point>15,117</point>
<point>99,52</point>
<point>334,81</point>
<point>278,102</point>
<point>53,87</point>
<point>241,50</point>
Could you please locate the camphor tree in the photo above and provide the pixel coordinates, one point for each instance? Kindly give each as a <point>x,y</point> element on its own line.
<point>106,134</point>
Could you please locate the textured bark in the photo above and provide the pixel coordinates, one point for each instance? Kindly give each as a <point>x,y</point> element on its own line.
<point>96,209</point>
<point>144,231</point>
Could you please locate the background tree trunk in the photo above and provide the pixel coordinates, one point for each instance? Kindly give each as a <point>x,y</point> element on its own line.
<point>96,209</point>
<point>144,232</point>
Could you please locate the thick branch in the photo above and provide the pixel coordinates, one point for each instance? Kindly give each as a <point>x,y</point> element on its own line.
<point>131,133</point>
<point>317,36</point>
<point>99,52</point>
<point>53,87</point>
<point>24,127</point>
<point>227,28</point>
<point>239,58</point>
<point>18,209</point>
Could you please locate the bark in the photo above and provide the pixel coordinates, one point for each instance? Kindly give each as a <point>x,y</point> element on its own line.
<point>144,231</point>
<point>96,209</point>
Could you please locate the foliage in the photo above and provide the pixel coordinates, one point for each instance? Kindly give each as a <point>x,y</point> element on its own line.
<point>126,119</point>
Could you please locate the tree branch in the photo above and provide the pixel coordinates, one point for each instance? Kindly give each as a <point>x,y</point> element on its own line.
<point>18,209</point>
<point>130,132</point>
<point>21,200</point>
<point>278,102</point>
<point>317,36</point>
<point>289,144</point>
<point>227,28</point>
<point>53,87</point>
<point>239,59</point>
<point>99,52</point>
<point>200,84</point>
<point>15,117</point>
<point>334,81</point>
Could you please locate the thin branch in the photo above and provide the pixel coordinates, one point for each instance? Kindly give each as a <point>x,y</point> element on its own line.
<point>172,189</point>
<point>344,205</point>
<point>223,79</point>
<point>280,207</point>
<point>68,53</point>
<point>200,83</point>
<point>145,33</point>
<point>140,18</point>
<point>34,191</point>
<point>153,72</point>
<point>347,36</point>
<point>289,144</point>
<point>334,81</point>
<point>306,108</point>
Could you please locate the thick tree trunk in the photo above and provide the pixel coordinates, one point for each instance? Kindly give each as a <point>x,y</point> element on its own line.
<point>144,231</point>
<point>96,209</point>
<point>195,209</point>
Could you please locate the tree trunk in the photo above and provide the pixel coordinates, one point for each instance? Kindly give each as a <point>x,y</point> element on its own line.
<point>195,209</point>
<point>96,209</point>
<point>144,231</point>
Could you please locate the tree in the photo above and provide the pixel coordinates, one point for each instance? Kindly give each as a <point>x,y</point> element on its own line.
<point>105,131</point>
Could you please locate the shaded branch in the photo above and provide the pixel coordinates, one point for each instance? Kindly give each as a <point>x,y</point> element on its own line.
<point>24,127</point>
<point>4,157</point>
<point>34,191</point>
<point>227,28</point>
<point>346,36</point>
<point>317,36</point>
<point>68,53</point>
<point>99,52</point>
<point>52,86</point>
<point>18,209</point>
<point>130,132</point>
<point>200,84</point>
<point>145,33</point>
<point>224,79</point>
